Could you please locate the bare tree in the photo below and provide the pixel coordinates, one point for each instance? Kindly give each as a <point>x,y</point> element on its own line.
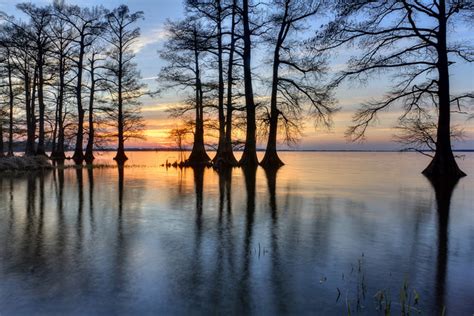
<point>62,42</point>
<point>122,77</point>
<point>411,38</point>
<point>183,51</point>
<point>214,13</point>
<point>94,61</point>
<point>8,66</point>
<point>87,26</point>
<point>249,156</point>
<point>296,75</point>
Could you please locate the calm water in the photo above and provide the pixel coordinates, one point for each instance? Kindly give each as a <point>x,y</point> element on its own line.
<point>326,232</point>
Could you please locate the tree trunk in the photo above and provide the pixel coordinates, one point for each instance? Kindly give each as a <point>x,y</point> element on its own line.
<point>40,149</point>
<point>89,157</point>
<point>78,154</point>
<point>11,103</point>
<point>58,150</point>
<point>1,138</point>
<point>443,164</point>
<point>30,114</point>
<point>120,157</point>
<point>198,154</point>
<point>221,144</point>
<point>249,156</point>
<point>271,159</point>
<point>228,157</point>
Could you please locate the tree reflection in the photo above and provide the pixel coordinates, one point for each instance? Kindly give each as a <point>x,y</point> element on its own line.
<point>443,192</point>
<point>250,174</point>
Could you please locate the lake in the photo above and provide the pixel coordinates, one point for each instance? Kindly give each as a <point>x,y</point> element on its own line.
<point>327,233</point>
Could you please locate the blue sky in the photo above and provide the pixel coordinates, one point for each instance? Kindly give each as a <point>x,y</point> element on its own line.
<point>349,95</point>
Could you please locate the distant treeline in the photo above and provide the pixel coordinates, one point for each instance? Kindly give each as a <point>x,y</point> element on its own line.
<point>68,79</point>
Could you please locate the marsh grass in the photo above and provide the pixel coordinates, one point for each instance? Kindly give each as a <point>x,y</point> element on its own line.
<point>23,164</point>
<point>356,291</point>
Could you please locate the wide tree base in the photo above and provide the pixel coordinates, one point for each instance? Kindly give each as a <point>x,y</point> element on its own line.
<point>271,161</point>
<point>57,156</point>
<point>249,159</point>
<point>198,157</point>
<point>89,157</point>
<point>443,167</point>
<point>225,159</point>
<point>120,157</point>
<point>78,157</point>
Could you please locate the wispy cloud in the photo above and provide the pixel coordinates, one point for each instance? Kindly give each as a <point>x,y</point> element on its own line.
<point>151,37</point>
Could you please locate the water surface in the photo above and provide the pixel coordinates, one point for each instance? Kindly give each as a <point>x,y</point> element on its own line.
<point>325,233</point>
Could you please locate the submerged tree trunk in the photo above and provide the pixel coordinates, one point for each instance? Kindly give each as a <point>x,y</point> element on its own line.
<point>58,149</point>
<point>11,104</point>
<point>249,156</point>
<point>443,164</point>
<point>227,156</point>
<point>30,114</point>
<point>198,154</point>
<point>221,144</point>
<point>1,138</point>
<point>89,156</point>
<point>40,150</point>
<point>120,157</point>
<point>78,154</point>
<point>271,159</point>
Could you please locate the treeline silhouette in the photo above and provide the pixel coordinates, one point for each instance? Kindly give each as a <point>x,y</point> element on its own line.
<point>209,53</point>
<point>65,56</point>
<point>69,80</point>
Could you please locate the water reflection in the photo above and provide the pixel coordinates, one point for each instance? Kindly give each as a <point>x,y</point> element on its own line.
<point>248,241</point>
<point>443,193</point>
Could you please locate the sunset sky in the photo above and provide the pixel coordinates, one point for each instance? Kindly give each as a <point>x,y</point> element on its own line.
<point>349,96</point>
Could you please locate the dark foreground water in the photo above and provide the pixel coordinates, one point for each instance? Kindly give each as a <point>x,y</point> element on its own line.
<point>327,233</point>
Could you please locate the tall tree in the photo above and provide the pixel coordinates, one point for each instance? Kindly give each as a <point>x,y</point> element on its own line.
<point>214,13</point>
<point>122,76</point>
<point>227,153</point>
<point>410,37</point>
<point>8,67</point>
<point>183,51</point>
<point>23,58</point>
<point>87,25</point>
<point>62,42</point>
<point>40,18</point>
<point>296,75</point>
<point>93,60</point>
<point>249,156</point>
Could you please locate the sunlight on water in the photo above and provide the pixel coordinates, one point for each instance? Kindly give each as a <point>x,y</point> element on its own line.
<point>325,231</point>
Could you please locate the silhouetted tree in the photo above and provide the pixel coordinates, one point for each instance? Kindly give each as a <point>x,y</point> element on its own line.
<point>186,42</point>
<point>214,14</point>
<point>410,37</point>
<point>87,25</point>
<point>296,75</point>
<point>249,156</point>
<point>227,153</point>
<point>93,66</point>
<point>122,76</point>
<point>62,40</point>
<point>8,69</point>
<point>40,18</point>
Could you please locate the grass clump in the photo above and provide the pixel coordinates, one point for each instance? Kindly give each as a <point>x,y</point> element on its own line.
<point>24,163</point>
